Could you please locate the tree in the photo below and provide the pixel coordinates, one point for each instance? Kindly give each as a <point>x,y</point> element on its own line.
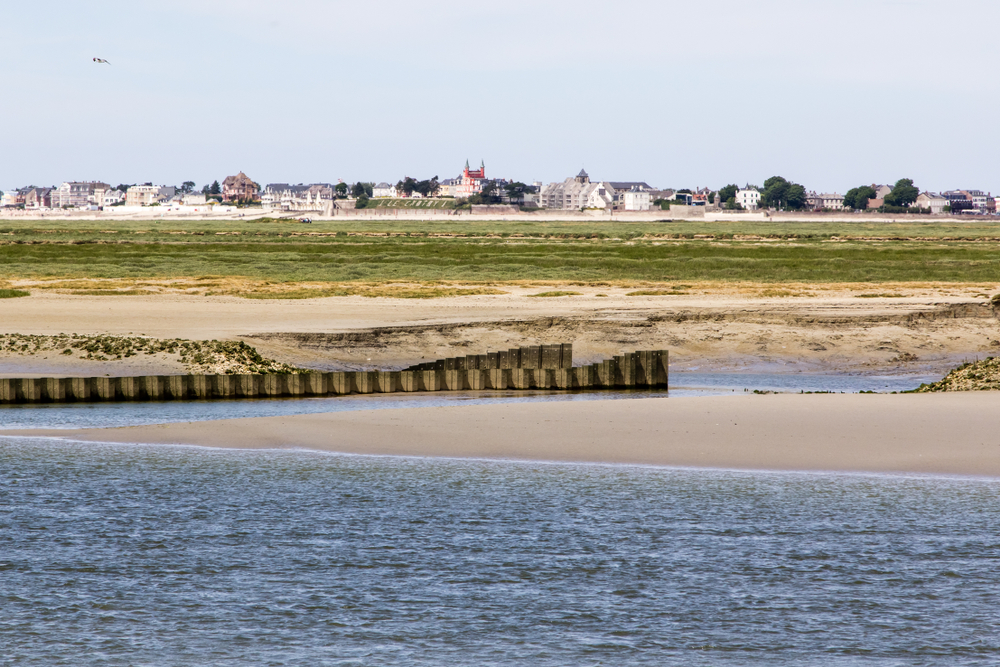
<point>362,201</point>
<point>728,192</point>
<point>341,189</point>
<point>516,191</point>
<point>216,189</point>
<point>904,193</point>
<point>187,187</point>
<point>857,198</point>
<point>782,194</point>
<point>358,190</point>
<point>490,193</point>
<point>122,187</point>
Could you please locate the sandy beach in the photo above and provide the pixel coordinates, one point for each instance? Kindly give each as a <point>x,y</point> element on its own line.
<point>928,433</point>
<point>822,328</point>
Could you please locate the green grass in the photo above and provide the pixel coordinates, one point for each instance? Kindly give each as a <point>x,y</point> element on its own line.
<point>13,293</point>
<point>583,251</point>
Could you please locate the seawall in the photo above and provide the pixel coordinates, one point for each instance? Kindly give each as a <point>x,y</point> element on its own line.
<point>534,367</point>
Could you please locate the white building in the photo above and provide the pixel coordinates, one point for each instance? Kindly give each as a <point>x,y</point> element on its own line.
<point>384,191</point>
<point>147,195</point>
<point>79,193</point>
<point>9,198</point>
<point>931,200</point>
<point>112,197</point>
<point>636,200</point>
<point>285,197</point>
<point>750,199</point>
<point>577,193</point>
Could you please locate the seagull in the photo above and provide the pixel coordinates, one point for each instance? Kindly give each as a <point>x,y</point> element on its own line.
<point>101,60</point>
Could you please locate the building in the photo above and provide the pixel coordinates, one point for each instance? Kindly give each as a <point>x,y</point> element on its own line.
<point>194,199</point>
<point>147,195</point>
<point>825,201</point>
<point>635,199</point>
<point>932,200</point>
<point>79,193</point>
<point>285,197</point>
<point>12,197</point>
<point>383,190</point>
<point>960,201</point>
<point>113,197</point>
<point>881,191</point>
<point>471,181</point>
<point>749,198</point>
<point>577,193</point>
<point>239,188</point>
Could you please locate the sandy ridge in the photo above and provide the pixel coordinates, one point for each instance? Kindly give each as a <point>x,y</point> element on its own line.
<point>937,433</point>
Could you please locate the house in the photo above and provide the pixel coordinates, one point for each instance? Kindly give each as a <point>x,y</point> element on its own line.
<point>448,187</point>
<point>932,200</point>
<point>239,188</point>
<point>113,197</point>
<point>194,199</point>
<point>471,181</point>
<point>285,197</point>
<point>78,193</point>
<point>749,198</point>
<point>147,195</point>
<point>881,191</point>
<point>577,193</point>
<point>636,199</point>
<point>11,198</point>
<point>623,187</point>
<point>38,198</point>
<point>384,190</point>
<point>959,201</point>
<point>825,201</point>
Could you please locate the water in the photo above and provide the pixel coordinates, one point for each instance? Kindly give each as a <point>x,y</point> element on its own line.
<point>691,383</point>
<point>683,383</point>
<point>142,555</point>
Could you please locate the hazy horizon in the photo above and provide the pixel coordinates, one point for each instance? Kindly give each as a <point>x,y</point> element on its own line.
<point>831,95</point>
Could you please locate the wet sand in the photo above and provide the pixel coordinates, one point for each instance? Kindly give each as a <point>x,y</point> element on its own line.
<point>926,433</point>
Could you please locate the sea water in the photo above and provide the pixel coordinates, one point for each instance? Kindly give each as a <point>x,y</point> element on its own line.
<point>683,383</point>
<point>155,555</point>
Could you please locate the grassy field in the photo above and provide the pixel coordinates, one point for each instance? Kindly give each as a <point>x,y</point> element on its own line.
<point>493,252</point>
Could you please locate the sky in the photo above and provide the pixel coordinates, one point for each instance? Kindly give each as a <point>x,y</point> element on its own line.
<point>828,93</point>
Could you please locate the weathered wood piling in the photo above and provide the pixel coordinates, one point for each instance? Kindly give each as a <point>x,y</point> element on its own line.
<point>533,367</point>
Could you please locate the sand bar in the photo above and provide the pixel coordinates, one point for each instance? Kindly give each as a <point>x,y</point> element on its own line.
<point>927,433</point>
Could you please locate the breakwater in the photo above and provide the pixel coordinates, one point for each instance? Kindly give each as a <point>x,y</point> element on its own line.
<point>532,367</point>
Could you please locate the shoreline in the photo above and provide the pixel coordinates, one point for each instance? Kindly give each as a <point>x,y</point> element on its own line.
<point>938,434</point>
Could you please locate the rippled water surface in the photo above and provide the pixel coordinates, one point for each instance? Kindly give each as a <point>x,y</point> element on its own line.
<point>139,555</point>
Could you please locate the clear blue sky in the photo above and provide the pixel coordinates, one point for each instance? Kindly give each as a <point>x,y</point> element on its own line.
<point>829,93</point>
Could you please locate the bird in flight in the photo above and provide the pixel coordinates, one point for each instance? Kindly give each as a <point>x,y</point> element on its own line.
<point>101,60</point>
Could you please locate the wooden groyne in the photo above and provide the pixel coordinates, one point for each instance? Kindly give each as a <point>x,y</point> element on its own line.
<point>534,367</point>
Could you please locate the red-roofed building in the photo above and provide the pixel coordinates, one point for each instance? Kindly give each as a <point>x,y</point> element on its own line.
<point>471,181</point>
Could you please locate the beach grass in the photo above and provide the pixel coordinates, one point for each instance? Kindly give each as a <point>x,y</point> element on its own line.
<point>13,293</point>
<point>502,252</point>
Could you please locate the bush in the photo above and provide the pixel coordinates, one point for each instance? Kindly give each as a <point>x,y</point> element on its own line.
<point>361,202</point>
<point>13,293</point>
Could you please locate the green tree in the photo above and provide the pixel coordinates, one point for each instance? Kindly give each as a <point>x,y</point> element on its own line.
<point>341,189</point>
<point>733,205</point>
<point>187,187</point>
<point>857,198</point>
<point>903,193</point>
<point>490,193</point>
<point>362,201</point>
<point>358,190</point>
<point>216,189</point>
<point>783,194</point>
<point>728,192</point>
